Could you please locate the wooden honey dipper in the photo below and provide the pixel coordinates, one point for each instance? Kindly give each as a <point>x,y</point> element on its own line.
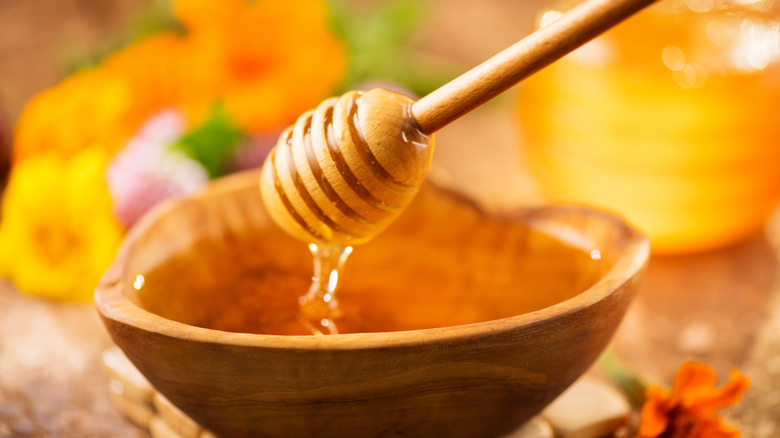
<point>346,169</point>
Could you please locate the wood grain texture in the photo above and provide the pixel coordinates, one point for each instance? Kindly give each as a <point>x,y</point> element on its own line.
<point>344,171</point>
<point>520,60</point>
<point>475,380</point>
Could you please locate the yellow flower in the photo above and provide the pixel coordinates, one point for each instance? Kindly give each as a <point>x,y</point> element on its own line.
<point>58,234</point>
<point>270,60</point>
<point>90,108</point>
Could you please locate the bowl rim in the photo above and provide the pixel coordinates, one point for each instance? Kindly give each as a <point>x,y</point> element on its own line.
<point>113,304</point>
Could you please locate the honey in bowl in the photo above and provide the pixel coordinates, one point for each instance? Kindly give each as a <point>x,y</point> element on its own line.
<point>443,263</point>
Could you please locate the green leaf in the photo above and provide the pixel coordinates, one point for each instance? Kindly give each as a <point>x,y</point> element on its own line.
<point>378,39</point>
<point>213,143</point>
<point>632,385</point>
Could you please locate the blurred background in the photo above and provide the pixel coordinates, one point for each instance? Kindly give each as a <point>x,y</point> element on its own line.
<point>670,121</point>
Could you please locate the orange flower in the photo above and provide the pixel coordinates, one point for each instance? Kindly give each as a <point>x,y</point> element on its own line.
<point>267,61</point>
<point>690,409</point>
<point>165,72</point>
<point>270,60</point>
<point>90,108</point>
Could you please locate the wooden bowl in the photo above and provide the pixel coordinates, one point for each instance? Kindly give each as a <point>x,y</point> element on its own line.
<point>478,379</point>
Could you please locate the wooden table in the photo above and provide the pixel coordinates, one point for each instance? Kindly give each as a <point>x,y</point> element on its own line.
<point>51,379</point>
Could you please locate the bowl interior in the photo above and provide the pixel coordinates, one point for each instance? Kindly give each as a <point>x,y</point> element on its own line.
<point>223,264</point>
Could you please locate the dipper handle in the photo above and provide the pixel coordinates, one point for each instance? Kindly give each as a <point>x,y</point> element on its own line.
<point>532,53</point>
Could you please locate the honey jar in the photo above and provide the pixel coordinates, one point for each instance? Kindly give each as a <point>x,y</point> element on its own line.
<point>671,120</point>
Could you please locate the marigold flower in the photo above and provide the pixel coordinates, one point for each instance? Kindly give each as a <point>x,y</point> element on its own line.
<point>90,108</point>
<point>165,71</point>
<point>270,60</point>
<point>266,61</point>
<point>690,409</point>
<point>58,234</point>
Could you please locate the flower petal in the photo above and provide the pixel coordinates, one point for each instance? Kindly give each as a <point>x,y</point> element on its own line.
<point>693,381</point>
<point>655,413</point>
<point>724,396</point>
<point>715,428</point>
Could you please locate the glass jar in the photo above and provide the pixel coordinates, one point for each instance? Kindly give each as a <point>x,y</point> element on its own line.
<point>671,119</point>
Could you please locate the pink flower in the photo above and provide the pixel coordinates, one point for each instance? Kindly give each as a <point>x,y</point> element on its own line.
<point>147,171</point>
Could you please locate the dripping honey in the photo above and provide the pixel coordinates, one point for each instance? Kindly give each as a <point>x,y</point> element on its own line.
<point>318,309</point>
<point>421,273</point>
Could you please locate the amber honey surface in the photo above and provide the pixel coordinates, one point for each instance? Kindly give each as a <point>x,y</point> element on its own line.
<point>443,263</point>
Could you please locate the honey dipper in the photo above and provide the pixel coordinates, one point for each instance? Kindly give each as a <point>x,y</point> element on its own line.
<point>346,169</point>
